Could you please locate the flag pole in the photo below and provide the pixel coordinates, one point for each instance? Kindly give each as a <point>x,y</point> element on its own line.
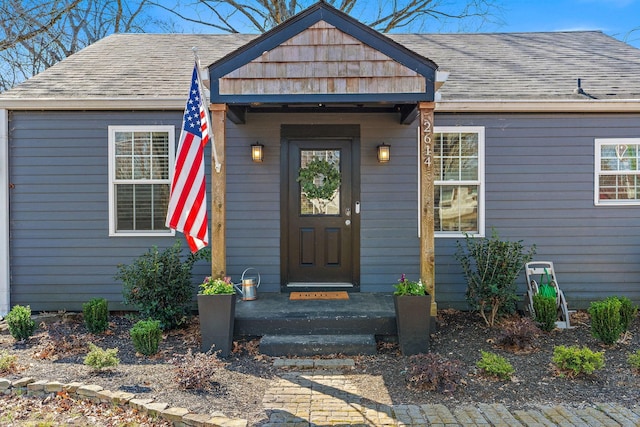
<point>216,162</point>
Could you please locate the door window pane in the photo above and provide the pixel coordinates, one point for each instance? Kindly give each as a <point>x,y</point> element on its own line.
<point>310,203</point>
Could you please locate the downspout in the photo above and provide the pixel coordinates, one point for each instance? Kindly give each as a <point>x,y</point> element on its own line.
<point>5,284</point>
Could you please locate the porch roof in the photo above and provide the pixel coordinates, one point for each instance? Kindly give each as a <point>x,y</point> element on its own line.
<point>322,55</point>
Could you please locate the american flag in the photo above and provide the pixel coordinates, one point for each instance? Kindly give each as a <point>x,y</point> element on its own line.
<point>187,211</point>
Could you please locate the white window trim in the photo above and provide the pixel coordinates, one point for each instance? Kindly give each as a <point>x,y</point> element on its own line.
<point>599,142</point>
<point>112,198</point>
<point>480,182</point>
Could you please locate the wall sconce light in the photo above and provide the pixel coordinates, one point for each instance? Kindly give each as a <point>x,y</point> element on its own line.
<point>384,153</point>
<point>257,152</point>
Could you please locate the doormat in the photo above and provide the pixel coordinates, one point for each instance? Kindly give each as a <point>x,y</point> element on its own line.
<point>333,295</point>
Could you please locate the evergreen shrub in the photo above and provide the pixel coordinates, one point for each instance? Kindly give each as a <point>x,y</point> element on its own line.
<point>98,358</point>
<point>159,284</point>
<point>146,336</point>
<point>21,326</point>
<point>491,267</point>
<point>495,365</point>
<point>576,360</point>
<point>606,322</point>
<point>96,315</point>
<point>546,311</point>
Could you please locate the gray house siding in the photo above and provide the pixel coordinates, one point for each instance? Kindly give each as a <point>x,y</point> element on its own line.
<point>389,243</point>
<point>61,252</point>
<point>540,189</point>
<point>253,202</point>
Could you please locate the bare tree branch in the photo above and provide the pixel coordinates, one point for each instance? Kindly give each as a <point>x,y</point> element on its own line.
<point>261,15</point>
<point>38,22</point>
<point>39,33</point>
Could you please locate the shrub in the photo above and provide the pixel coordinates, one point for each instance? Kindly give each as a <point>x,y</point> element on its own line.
<point>21,326</point>
<point>96,315</point>
<point>98,358</point>
<point>634,360</point>
<point>518,334</point>
<point>546,311</point>
<point>146,336</point>
<point>628,313</point>
<point>159,284</point>
<point>495,365</point>
<point>433,372</point>
<point>7,362</point>
<point>195,372</point>
<point>576,360</point>
<point>606,324</point>
<point>491,267</point>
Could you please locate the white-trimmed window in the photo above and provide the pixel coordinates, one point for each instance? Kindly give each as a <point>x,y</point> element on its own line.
<point>459,181</point>
<point>140,158</point>
<point>617,172</point>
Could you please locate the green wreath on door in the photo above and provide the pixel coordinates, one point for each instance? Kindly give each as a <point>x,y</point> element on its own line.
<point>318,168</point>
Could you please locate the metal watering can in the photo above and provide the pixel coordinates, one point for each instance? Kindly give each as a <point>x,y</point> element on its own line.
<point>248,287</point>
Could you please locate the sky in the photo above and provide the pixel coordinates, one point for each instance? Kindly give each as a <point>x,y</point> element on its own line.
<point>616,18</point>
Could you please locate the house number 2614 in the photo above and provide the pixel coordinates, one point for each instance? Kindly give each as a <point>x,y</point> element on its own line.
<point>426,141</point>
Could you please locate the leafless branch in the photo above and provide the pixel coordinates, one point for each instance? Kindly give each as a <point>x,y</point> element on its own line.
<point>261,15</point>
<point>38,21</point>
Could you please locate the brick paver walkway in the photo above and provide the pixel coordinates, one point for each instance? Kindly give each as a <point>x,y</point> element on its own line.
<point>318,394</point>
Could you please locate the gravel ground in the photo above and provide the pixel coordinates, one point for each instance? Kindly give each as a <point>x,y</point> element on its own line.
<point>237,386</point>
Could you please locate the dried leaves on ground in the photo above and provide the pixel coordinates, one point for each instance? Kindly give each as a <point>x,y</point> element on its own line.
<point>235,387</point>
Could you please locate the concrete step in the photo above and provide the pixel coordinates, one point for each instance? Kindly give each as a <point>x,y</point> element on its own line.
<point>312,345</point>
<point>275,314</point>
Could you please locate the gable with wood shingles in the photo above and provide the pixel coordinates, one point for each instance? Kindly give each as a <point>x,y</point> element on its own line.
<point>322,59</point>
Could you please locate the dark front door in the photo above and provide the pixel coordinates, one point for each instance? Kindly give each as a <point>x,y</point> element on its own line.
<point>322,214</point>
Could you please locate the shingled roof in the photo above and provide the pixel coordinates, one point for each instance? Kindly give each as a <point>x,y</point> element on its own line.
<point>509,67</point>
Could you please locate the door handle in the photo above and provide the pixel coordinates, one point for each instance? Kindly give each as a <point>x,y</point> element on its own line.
<point>347,222</point>
<point>347,212</point>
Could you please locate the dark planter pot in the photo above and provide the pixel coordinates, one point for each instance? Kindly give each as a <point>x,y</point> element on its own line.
<point>217,314</point>
<point>413,320</point>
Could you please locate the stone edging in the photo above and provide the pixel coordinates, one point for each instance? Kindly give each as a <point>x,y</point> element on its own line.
<point>314,363</point>
<point>178,416</point>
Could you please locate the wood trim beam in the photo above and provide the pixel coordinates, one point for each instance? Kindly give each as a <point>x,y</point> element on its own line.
<point>237,114</point>
<point>218,193</point>
<point>427,231</point>
<point>408,113</point>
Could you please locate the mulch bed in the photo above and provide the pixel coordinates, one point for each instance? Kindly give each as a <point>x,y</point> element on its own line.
<point>57,350</point>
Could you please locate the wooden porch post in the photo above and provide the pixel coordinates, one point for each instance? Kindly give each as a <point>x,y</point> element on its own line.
<point>427,241</point>
<point>218,193</point>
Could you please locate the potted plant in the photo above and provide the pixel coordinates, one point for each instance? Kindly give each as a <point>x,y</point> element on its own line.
<point>217,309</point>
<point>413,310</point>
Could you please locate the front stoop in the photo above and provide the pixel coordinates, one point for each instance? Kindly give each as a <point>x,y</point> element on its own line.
<point>313,345</point>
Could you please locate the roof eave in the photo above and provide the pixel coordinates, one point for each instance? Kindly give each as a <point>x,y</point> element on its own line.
<point>539,106</point>
<point>459,106</point>
<point>93,103</point>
